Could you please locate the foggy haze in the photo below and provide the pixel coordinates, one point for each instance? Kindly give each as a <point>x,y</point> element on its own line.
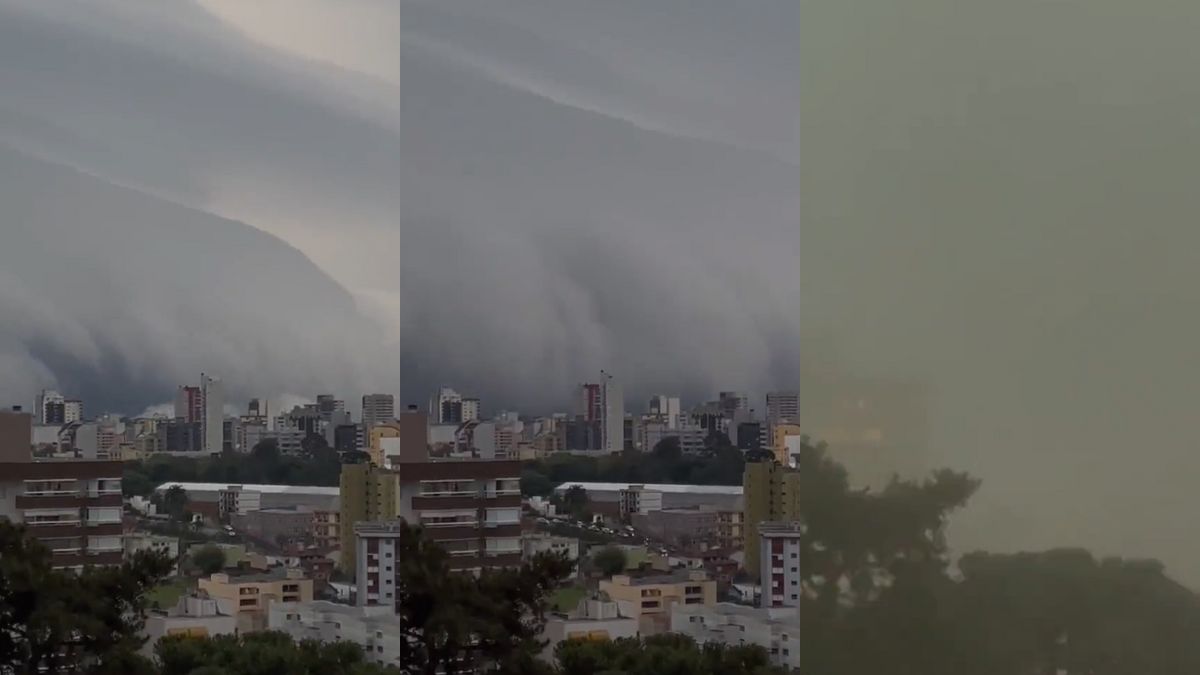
<point>997,203</point>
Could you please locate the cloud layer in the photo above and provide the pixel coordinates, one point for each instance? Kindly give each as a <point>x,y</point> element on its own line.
<point>530,225</point>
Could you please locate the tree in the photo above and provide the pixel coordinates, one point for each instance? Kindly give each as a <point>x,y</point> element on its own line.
<point>452,621</point>
<point>265,653</point>
<point>610,560</point>
<point>174,502</point>
<point>209,559</point>
<point>575,501</point>
<point>314,444</point>
<point>56,622</point>
<point>534,483</point>
<point>668,654</point>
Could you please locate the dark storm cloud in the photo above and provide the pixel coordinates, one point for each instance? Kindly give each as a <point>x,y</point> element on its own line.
<point>585,217</point>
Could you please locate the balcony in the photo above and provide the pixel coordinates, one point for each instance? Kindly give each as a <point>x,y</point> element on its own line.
<point>48,500</point>
<point>77,559</point>
<point>67,500</point>
<point>100,549</point>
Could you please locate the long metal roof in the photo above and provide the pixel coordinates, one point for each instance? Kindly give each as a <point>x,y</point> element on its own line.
<point>666,488</point>
<point>251,487</point>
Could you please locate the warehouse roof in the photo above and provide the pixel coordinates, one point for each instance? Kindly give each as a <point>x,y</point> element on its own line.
<point>665,488</point>
<point>311,490</point>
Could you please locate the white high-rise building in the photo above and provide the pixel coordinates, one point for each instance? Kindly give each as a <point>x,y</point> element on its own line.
<point>779,563</point>
<point>470,409</point>
<point>212,427</point>
<point>783,406</point>
<point>667,409</point>
<point>612,421</point>
<point>72,410</point>
<point>377,409</point>
<point>446,407</point>
<point>50,407</point>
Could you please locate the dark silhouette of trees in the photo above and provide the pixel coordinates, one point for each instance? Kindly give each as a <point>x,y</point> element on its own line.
<point>54,621</point>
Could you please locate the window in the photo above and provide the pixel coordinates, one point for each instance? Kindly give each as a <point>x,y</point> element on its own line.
<point>649,604</point>
<point>247,602</point>
<point>504,516</point>
<point>693,590</point>
<point>389,569</point>
<point>693,601</point>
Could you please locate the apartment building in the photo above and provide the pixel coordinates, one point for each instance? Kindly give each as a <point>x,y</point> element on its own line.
<point>785,442</point>
<point>250,593</point>
<point>779,566</point>
<point>375,629</point>
<point>637,499</point>
<point>649,598</point>
<point>772,493</point>
<point>471,507</point>
<point>71,506</point>
<point>730,530</point>
<point>778,632</point>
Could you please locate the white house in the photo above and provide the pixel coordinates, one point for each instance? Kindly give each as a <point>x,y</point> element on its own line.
<point>775,629</point>
<point>375,628</point>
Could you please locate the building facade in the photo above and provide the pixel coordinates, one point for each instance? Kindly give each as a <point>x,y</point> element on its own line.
<point>772,493</point>
<point>649,599</point>
<point>212,435</point>
<point>72,506</point>
<point>249,594</point>
<point>377,409</point>
<point>783,406</point>
<point>779,563</point>
<point>637,499</point>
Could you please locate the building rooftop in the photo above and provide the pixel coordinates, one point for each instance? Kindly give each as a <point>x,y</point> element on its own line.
<point>788,616</point>
<point>377,613</point>
<point>780,527</point>
<point>667,488</point>
<point>673,577</point>
<point>250,575</point>
<point>248,487</point>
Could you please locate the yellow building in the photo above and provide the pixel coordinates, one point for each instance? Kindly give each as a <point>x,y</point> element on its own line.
<point>368,493</point>
<point>784,436</point>
<point>649,599</point>
<point>772,493</point>
<point>376,444</point>
<point>249,594</point>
